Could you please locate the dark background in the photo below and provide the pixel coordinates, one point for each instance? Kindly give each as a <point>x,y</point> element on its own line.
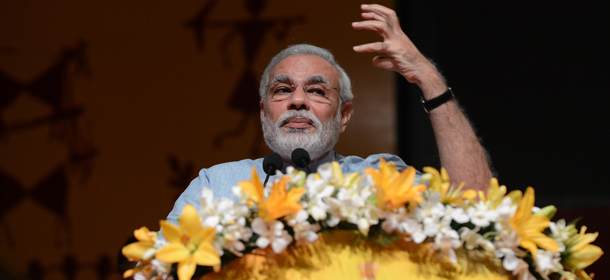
<point>533,78</point>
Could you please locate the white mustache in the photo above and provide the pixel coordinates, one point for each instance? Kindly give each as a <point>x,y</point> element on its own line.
<point>298,114</point>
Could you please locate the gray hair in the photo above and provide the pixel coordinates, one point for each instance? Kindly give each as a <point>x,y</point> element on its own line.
<point>345,85</point>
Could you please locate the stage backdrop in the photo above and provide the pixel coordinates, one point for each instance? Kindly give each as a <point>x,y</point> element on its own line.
<point>109,108</point>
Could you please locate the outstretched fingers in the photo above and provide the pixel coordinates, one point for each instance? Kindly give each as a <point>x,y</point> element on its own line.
<point>379,47</point>
<point>397,51</point>
<point>375,25</point>
<point>388,14</point>
<point>374,16</point>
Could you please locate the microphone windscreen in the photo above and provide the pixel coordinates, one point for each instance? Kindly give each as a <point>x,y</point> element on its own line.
<point>298,155</point>
<point>273,160</point>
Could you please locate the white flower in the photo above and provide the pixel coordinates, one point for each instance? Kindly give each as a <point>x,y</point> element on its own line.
<point>241,196</point>
<point>431,227</point>
<point>480,215</point>
<point>160,271</point>
<point>333,221</point>
<point>326,173</point>
<point>219,244</point>
<point>352,205</point>
<point>446,242</point>
<point>228,218</point>
<point>317,192</point>
<point>161,268</point>
<point>271,233</point>
<point>558,230</point>
<point>429,218</point>
<point>370,216</point>
<point>429,213</point>
<point>142,275</point>
<point>221,212</point>
<point>395,221</point>
<point>227,211</point>
<point>457,214</point>
<point>507,248</point>
<point>360,193</point>
<point>344,209</point>
<point>510,260</point>
<point>234,234</point>
<point>473,239</point>
<point>295,175</point>
<point>303,230</point>
<point>416,230</point>
<point>431,208</point>
<point>547,262</point>
<point>559,233</point>
<point>207,209</point>
<point>522,271</point>
<point>506,209</point>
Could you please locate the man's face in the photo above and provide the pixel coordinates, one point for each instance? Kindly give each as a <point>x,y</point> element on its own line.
<point>301,119</point>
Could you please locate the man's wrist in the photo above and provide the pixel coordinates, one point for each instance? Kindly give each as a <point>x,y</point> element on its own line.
<point>432,84</point>
<point>435,102</point>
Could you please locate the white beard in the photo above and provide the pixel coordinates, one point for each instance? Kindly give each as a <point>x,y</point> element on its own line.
<point>317,143</point>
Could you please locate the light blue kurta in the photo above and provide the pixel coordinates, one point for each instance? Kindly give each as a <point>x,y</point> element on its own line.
<point>222,177</point>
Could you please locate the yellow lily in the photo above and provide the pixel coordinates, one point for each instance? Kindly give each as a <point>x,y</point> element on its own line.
<point>254,188</point>
<point>190,244</point>
<point>280,202</point>
<point>395,189</point>
<point>580,253</point>
<point>334,176</point>
<point>515,196</point>
<point>449,194</point>
<point>347,182</point>
<point>495,194</point>
<point>530,227</point>
<point>337,173</point>
<point>141,251</point>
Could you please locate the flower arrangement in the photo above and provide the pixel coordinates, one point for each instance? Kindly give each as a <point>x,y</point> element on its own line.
<point>384,206</point>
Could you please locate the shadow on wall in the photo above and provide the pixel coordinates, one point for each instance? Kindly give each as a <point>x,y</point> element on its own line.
<point>244,97</point>
<point>51,87</point>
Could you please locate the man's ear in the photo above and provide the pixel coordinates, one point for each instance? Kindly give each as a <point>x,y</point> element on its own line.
<point>346,114</point>
<point>262,105</point>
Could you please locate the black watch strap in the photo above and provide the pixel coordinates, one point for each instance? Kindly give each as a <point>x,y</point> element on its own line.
<point>437,101</point>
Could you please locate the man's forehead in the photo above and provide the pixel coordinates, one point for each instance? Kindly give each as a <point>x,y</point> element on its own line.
<point>297,66</point>
<point>314,79</point>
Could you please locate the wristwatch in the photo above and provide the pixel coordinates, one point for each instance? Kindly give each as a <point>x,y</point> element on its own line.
<point>437,101</point>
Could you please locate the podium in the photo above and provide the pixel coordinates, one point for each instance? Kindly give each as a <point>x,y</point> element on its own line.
<point>344,255</point>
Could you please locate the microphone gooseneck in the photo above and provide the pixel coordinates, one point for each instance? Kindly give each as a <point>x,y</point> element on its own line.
<point>271,163</point>
<point>301,158</point>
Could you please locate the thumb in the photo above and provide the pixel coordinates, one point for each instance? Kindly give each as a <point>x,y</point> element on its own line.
<point>386,63</point>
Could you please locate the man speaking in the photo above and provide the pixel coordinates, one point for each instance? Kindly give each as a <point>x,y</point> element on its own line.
<point>305,102</point>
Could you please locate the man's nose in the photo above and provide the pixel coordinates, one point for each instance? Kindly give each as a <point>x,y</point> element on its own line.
<point>298,99</point>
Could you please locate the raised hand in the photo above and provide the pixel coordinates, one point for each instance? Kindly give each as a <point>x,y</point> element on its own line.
<point>401,55</point>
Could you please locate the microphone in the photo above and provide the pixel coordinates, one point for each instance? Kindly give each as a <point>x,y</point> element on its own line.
<point>300,157</point>
<point>271,163</point>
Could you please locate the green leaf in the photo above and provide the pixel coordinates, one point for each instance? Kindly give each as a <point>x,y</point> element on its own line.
<point>548,212</point>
